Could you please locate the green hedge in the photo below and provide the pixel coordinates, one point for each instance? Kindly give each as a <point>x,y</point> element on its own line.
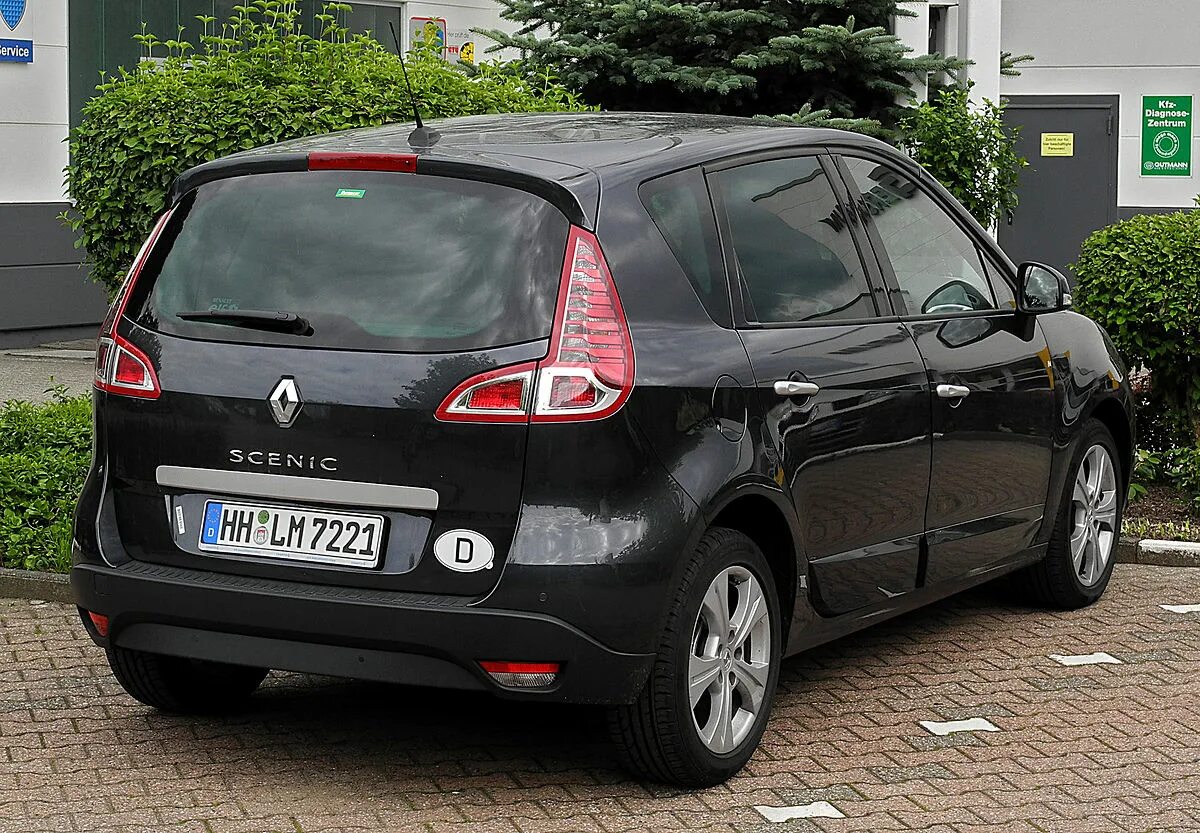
<point>1140,279</point>
<point>257,82</point>
<point>44,455</point>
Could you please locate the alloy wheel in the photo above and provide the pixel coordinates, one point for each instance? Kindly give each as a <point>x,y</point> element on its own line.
<point>1094,504</point>
<point>729,661</point>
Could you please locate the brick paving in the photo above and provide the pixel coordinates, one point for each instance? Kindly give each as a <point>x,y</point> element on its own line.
<point>1085,748</point>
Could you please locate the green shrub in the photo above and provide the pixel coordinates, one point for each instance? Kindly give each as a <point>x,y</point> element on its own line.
<point>1140,279</point>
<point>259,81</point>
<point>1181,468</point>
<point>967,149</point>
<point>44,455</point>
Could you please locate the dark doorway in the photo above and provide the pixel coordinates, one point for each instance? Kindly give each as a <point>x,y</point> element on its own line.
<point>1063,198</point>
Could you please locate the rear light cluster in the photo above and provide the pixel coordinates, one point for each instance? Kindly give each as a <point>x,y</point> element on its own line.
<point>121,367</point>
<point>588,372</point>
<point>521,674</point>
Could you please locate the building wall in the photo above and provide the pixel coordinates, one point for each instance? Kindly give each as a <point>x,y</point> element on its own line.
<point>1128,48</point>
<point>41,281</point>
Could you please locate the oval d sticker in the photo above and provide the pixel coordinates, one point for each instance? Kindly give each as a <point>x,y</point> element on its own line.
<point>464,550</point>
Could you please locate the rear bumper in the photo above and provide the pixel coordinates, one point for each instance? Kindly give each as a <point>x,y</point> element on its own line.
<point>393,637</point>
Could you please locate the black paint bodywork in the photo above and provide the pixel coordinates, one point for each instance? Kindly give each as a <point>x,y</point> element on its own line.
<point>869,500</point>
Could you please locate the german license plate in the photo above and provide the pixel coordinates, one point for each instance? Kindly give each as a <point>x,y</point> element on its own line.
<point>292,534</point>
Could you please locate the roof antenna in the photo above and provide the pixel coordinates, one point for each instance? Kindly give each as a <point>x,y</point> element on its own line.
<point>422,137</point>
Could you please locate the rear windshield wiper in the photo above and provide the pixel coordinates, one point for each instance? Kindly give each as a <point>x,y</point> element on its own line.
<point>276,321</point>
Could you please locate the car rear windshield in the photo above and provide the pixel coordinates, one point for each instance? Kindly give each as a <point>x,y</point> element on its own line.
<point>370,260</point>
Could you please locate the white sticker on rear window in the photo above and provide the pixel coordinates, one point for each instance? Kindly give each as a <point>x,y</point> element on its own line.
<point>464,551</point>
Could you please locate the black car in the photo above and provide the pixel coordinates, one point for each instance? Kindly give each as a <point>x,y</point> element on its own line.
<point>617,409</point>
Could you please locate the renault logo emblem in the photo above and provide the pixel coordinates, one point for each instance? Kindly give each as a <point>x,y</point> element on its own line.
<point>285,402</point>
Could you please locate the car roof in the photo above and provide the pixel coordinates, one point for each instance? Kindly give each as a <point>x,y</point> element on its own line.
<point>573,151</point>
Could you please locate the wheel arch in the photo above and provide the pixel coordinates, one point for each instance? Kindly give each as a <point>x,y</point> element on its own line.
<point>1109,413</point>
<point>760,518</point>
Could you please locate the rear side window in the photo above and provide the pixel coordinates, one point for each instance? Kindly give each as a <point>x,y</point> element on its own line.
<point>372,260</point>
<point>682,212</point>
<point>795,252</point>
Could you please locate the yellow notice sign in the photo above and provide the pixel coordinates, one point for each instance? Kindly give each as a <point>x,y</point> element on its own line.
<point>1058,144</point>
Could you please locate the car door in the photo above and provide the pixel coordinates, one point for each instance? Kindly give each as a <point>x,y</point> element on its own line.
<point>840,390</point>
<point>989,370</point>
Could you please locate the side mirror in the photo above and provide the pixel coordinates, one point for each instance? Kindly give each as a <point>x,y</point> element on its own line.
<point>1043,289</point>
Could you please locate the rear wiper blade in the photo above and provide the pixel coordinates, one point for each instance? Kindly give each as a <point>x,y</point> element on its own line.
<point>276,321</point>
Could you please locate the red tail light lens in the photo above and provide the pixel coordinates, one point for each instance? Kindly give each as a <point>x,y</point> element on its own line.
<point>589,370</point>
<point>122,368</point>
<point>495,396</point>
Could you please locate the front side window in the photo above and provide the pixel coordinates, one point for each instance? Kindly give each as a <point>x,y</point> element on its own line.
<point>792,242</point>
<point>938,267</point>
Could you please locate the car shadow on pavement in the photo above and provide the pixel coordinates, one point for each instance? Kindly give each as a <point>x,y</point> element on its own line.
<point>379,739</point>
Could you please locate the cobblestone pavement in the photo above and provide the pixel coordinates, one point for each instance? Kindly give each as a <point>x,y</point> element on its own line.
<point>1109,747</point>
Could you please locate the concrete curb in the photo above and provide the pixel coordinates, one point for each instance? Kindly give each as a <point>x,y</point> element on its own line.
<point>31,584</point>
<point>55,587</point>
<point>1158,553</point>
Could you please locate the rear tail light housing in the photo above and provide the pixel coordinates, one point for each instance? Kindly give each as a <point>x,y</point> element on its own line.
<point>521,674</point>
<point>122,368</point>
<point>589,370</point>
<point>500,395</point>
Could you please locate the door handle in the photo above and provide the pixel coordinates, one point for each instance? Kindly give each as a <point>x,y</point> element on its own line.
<point>953,391</point>
<point>786,387</point>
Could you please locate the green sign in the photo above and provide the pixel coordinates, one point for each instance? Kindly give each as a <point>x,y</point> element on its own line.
<point>1167,135</point>
<point>350,193</point>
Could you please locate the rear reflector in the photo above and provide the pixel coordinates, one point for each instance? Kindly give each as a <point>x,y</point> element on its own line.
<point>100,622</point>
<point>588,372</point>
<point>521,674</point>
<point>397,162</point>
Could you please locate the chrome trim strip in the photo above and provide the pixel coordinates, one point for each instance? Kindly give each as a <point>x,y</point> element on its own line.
<point>289,487</point>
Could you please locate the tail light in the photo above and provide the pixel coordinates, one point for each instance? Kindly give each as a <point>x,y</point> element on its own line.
<point>121,367</point>
<point>521,674</point>
<point>587,374</point>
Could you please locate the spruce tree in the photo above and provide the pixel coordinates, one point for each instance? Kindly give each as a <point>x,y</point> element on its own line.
<point>804,61</point>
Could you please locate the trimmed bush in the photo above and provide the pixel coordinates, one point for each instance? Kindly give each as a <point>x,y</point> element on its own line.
<point>1140,279</point>
<point>967,149</point>
<point>44,455</point>
<point>260,81</point>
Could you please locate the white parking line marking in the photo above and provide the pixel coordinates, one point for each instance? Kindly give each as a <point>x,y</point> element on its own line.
<point>1098,658</point>
<point>975,724</point>
<point>816,810</point>
<point>1181,608</point>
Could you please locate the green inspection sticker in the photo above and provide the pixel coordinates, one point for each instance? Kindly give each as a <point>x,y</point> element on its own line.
<point>350,193</point>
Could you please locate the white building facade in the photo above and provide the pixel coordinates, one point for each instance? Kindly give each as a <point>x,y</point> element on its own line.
<point>1105,111</point>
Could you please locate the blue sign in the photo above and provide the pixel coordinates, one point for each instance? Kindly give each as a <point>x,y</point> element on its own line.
<point>16,51</point>
<point>11,11</point>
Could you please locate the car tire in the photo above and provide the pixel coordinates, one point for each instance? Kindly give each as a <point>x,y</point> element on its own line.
<point>660,736</point>
<point>1082,550</point>
<point>183,686</point>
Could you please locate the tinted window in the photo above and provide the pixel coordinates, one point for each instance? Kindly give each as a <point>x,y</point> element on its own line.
<point>376,261</point>
<point>794,249</point>
<point>937,265</point>
<point>681,210</point>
